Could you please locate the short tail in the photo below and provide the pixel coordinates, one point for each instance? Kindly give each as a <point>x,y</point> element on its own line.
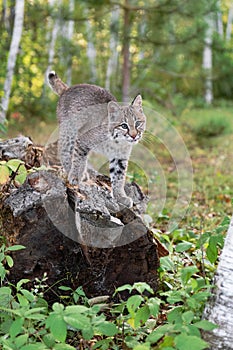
<point>56,83</point>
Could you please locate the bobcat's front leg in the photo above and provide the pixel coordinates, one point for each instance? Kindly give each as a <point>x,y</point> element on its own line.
<point>77,172</point>
<point>118,169</point>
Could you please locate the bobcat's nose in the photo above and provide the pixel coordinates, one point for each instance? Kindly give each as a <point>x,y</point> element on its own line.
<point>133,135</point>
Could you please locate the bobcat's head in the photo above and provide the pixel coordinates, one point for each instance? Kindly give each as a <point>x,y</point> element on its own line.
<point>127,123</point>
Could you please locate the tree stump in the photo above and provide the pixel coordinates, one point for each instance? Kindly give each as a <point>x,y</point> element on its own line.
<point>79,236</point>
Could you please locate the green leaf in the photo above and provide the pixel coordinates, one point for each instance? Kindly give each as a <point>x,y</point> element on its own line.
<point>21,340</point>
<point>187,316</point>
<point>183,246</point>
<point>166,264</point>
<point>103,344</point>
<point>16,327</point>
<point>57,326</point>
<point>174,296</point>
<point>63,347</point>
<point>175,315</point>
<point>75,309</point>
<point>78,321</point>
<point>87,333</point>
<point>30,297</point>
<point>58,308</point>
<point>142,315</point>
<point>133,303</point>
<point>35,346</point>
<point>13,248</point>
<point>212,249</point>
<point>4,174</point>
<point>144,346</point>
<point>14,164</point>
<point>154,305</point>
<point>107,328</point>
<point>184,342</point>
<point>142,286</point>
<point>205,325</point>
<point>187,272</point>
<point>124,287</point>
<point>49,340</point>
<point>9,261</point>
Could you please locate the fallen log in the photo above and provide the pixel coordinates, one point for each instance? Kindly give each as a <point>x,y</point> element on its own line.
<point>78,236</point>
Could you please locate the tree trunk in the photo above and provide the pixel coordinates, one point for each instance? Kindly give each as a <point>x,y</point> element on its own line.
<point>77,236</point>
<point>69,35</point>
<point>91,51</point>
<point>219,308</point>
<point>207,63</point>
<point>126,54</point>
<point>229,23</point>
<point>51,49</point>
<point>14,48</point>
<point>112,62</point>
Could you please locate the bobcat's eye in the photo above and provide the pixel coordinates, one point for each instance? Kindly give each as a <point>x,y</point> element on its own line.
<point>137,124</point>
<point>124,126</point>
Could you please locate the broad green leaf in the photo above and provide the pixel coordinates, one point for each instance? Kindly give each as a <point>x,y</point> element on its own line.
<point>107,328</point>
<point>187,316</point>
<point>16,327</point>
<point>49,340</point>
<point>30,297</point>
<point>183,246</point>
<point>57,326</point>
<point>103,344</point>
<point>21,340</point>
<point>87,333</point>
<point>144,346</point>
<point>58,308</point>
<point>187,272</point>
<point>142,315</point>
<point>154,305</point>
<point>14,164</point>
<point>124,287</point>
<point>166,264</point>
<point>174,296</point>
<point>205,325</point>
<point>175,315</point>
<point>142,286</point>
<point>190,342</point>
<point>78,322</point>
<point>133,303</point>
<point>35,346</point>
<point>74,309</point>
<point>63,347</point>
<point>4,174</point>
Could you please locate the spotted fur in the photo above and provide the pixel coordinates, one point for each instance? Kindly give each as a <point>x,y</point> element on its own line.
<point>91,119</point>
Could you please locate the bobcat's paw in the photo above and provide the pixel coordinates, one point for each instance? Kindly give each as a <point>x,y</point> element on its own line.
<point>125,201</point>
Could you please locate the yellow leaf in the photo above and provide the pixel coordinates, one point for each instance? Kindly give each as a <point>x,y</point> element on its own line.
<point>131,322</point>
<point>4,174</point>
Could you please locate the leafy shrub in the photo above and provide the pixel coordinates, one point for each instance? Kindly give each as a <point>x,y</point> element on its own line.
<point>211,126</point>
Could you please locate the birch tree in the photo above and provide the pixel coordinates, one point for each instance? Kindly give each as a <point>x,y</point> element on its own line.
<point>219,23</point>
<point>207,62</point>
<point>219,309</point>
<point>91,50</point>
<point>14,48</point>
<point>54,34</point>
<point>69,35</point>
<point>229,22</point>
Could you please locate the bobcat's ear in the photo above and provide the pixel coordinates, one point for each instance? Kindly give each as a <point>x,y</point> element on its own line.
<point>137,103</point>
<point>114,110</point>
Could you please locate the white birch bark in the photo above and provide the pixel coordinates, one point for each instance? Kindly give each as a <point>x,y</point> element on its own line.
<point>207,63</point>
<point>219,23</point>
<point>69,35</point>
<point>14,48</point>
<point>219,308</point>
<point>54,34</point>
<point>113,58</point>
<point>229,23</point>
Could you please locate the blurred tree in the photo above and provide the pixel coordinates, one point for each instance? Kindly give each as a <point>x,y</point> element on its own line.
<point>14,48</point>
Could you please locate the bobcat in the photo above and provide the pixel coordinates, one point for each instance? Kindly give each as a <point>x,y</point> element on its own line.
<point>91,119</point>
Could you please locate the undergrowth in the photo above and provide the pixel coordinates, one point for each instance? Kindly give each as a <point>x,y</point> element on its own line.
<point>169,320</point>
